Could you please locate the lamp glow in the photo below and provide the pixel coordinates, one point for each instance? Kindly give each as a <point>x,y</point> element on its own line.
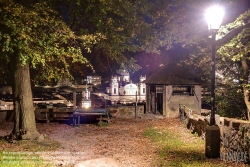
<point>214,16</point>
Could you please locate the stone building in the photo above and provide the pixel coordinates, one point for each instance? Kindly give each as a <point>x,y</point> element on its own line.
<point>172,86</point>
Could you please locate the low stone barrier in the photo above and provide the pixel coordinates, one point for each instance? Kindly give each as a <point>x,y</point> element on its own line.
<point>235,134</point>
<point>125,111</point>
<point>197,124</point>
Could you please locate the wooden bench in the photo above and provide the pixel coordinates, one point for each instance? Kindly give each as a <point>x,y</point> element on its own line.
<point>56,115</point>
<point>101,112</point>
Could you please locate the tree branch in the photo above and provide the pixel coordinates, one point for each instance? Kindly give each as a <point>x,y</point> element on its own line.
<point>231,35</point>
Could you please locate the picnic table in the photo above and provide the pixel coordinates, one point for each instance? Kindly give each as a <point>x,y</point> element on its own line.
<point>81,112</point>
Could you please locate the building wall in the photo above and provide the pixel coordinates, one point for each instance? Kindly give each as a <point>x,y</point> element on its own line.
<point>171,102</point>
<point>125,78</point>
<point>129,89</point>
<point>142,89</point>
<point>148,99</point>
<point>172,106</point>
<point>164,99</point>
<point>95,80</point>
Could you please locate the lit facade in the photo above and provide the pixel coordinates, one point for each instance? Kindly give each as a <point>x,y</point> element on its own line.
<point>121,89</point>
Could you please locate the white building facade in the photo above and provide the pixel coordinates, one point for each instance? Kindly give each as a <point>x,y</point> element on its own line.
<point>122,90</point>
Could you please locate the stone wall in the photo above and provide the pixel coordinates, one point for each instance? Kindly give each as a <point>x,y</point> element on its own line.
<point>126,111</point>
<point>197,124</point>
<point>235,134</point>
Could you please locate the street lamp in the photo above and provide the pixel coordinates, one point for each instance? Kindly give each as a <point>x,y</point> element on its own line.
<point>214,17</point>
<point>86,101</point>
<point>86,90</point>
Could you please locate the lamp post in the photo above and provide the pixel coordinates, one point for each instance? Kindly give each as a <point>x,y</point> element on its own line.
<point>86,90</point>
<point>214,17</point>
<point>86,101</point>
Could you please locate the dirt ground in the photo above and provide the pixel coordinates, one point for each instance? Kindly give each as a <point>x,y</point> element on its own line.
<point>120,144</point>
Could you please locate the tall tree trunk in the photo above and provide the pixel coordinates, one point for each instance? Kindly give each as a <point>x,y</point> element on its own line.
<point>245,76</point>
<point>24,123</point>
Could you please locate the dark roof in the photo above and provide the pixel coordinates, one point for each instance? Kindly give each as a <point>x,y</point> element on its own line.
<point>173,75</point>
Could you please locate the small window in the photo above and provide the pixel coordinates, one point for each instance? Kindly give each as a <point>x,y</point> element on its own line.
<point>114,90</point>
<point>143,90</point>
<point>183,90</point>
<point>159,89</point>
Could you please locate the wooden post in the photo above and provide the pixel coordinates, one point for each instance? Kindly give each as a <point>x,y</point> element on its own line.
<point>136,104</point>
<point>74,99</point>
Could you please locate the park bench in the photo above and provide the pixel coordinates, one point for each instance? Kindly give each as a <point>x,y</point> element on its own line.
<point>50,115</point>
<point>101,113</point>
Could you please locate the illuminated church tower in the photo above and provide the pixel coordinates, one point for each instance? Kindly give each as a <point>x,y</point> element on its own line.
<point>114,85</point>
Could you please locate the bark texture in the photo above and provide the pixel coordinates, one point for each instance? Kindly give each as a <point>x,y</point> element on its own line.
<point>24,122</point>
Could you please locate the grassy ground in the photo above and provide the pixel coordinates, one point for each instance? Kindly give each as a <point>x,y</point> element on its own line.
<point>25,153</point>
<point>180,148</point>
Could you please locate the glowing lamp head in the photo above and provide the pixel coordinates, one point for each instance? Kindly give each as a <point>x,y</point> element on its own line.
<point>86,104</point>
<point>214,16</point>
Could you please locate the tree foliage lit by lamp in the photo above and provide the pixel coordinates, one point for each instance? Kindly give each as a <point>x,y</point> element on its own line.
<point>214,16</point>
